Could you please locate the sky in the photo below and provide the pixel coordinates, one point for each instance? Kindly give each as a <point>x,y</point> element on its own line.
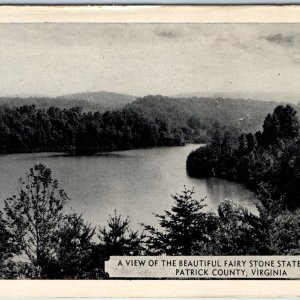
<point>141,59</point>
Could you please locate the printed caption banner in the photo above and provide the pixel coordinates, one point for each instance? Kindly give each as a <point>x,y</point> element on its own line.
<point>281,267</point>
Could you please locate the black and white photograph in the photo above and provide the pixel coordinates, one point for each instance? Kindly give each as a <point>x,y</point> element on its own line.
<point>149,139</point>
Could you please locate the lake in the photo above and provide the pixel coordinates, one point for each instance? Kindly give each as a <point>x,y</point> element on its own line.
<point>137,183</point>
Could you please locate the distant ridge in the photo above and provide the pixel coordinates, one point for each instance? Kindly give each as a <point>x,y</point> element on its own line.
<point>90,101</point>
<point>106,99</point>
<point>182,112</point>
<point>282,97</point>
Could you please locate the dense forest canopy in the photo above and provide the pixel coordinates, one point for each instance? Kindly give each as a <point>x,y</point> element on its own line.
<point>268,161</point>
<point>28,129</point>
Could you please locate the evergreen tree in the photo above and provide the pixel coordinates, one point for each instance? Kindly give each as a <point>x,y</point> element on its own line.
<point>283,124</point>
<point>182,228</point>
<point>118,239</point>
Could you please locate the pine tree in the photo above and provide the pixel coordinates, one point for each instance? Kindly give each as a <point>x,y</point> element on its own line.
<point>283,124</point>
<point>118,239</point>
<point>183,228</point>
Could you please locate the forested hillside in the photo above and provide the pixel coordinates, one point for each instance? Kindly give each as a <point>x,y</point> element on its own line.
<point>267,162</point>
<point>197,116</point>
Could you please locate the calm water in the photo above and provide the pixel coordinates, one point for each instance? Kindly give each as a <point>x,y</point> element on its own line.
<point>137,182</point>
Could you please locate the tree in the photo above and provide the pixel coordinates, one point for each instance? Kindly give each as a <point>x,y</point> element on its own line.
<point>239,232</point>
<point>243,145</point>
<point>118,238</point>
<point>283,124</point>
<point>182,229</point>
<point>78,256</point>
<point>285,234</point>
<point>251,141</point>
<point>34,216</point>
<point>293,191</point>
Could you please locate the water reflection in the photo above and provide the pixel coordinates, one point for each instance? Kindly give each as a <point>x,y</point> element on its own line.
<point>219,190</point>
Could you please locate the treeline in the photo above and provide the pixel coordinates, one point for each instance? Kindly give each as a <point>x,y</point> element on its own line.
<point>148,122</point>
<point>28,129</point>
<point>39,241</point>
<point>268,161</point>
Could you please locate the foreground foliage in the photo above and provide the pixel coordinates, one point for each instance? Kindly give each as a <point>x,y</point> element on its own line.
<point>188,230</point>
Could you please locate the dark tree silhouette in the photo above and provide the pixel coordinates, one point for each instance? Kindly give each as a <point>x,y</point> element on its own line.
<point>181,228</point>
<point>118,239</point>
<point>283,124</point>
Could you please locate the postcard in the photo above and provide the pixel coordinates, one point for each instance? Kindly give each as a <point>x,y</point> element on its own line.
<point>149,151</point>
